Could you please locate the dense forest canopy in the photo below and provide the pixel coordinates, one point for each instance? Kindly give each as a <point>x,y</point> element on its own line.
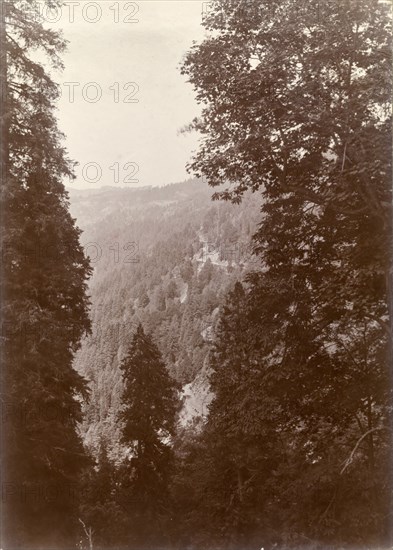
<point>164,257</point>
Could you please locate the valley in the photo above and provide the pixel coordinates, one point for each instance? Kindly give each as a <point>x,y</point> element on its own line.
<point>165,257</point>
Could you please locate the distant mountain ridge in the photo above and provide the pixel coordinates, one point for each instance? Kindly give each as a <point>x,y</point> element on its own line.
<point>163,256</point>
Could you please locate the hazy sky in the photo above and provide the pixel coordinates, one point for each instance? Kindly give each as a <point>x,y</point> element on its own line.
<point>111,131</point>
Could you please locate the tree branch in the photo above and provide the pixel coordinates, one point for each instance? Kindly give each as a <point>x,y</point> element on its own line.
<point>350,458</point>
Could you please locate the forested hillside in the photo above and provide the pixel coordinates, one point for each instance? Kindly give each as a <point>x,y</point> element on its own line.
<point>220,400</point>
<point>165,257</point>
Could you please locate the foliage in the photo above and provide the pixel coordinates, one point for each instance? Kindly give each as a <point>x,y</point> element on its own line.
<point>149,408</point>
<point>297,105</point>
<point>45,306</point>
<point>167,225</point>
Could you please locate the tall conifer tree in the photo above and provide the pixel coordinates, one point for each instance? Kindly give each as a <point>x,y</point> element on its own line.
<point>150,403</point>
<point>45,306</point>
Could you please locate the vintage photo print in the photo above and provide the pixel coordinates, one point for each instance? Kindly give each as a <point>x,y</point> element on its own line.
<point>196,277</point>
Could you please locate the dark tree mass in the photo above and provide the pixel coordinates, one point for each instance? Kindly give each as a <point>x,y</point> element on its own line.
<point>45,306</point>
<point>189,374</point>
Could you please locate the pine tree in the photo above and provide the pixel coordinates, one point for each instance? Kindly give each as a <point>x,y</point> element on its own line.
<point>45,307</point>
<point>149,407</point>
<point>241,436</point>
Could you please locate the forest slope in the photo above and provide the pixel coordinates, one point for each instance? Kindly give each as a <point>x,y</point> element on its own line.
<point>164,257</point>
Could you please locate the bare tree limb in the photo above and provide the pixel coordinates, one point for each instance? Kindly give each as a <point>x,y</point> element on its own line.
<point>89,533</point>
<point>350,458</point>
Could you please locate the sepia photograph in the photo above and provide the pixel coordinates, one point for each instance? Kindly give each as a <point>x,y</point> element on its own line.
<point>196,275</point>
